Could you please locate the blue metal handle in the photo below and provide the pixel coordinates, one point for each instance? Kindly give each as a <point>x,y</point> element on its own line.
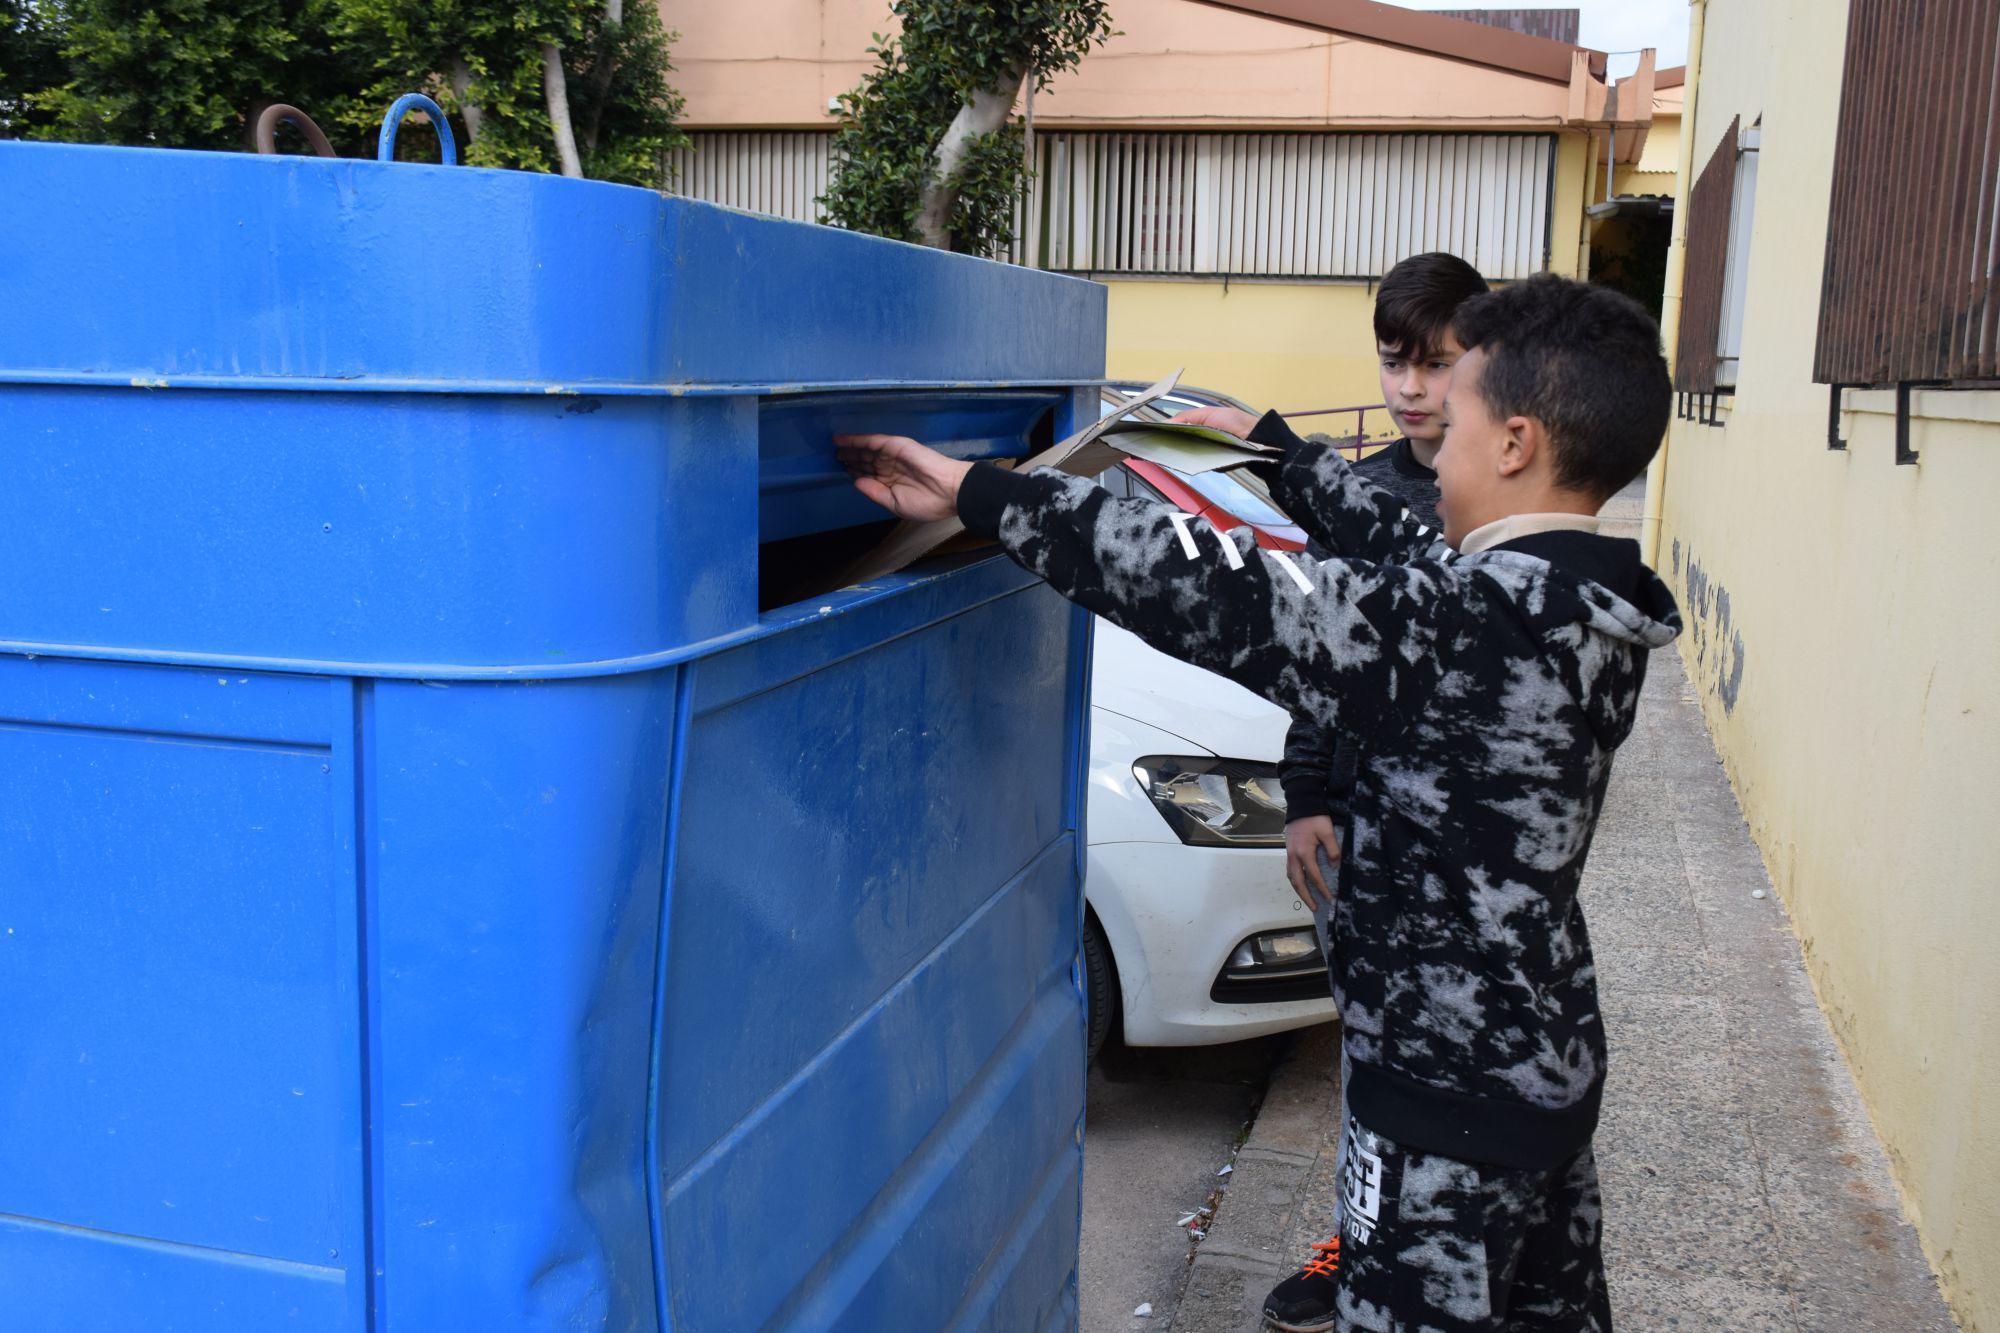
<point>385,149</point>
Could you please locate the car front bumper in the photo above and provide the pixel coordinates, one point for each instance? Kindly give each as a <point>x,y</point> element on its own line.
<point>1173,914</point>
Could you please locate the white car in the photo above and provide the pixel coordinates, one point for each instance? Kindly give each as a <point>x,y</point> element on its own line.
<point>1192,936</point>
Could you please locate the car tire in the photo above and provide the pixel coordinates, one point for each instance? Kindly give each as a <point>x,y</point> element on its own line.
<point>1100,986</point>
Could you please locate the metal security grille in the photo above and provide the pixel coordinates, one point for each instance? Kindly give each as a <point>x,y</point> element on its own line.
<point>1697,353</point>
<point>1320,205</point>
<point>1912,279</point>
<point>781,172</point>
<point>1291,205</point>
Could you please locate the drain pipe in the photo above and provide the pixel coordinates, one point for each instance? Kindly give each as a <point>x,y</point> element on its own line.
<point>1670,311</point>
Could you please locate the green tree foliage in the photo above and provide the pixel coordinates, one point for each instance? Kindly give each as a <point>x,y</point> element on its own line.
<point>949,55</point>
<point>31,62</point>
<point>195,74</point>
<point>190,73</point>
<point>486,59</point>
<point>630,118</point>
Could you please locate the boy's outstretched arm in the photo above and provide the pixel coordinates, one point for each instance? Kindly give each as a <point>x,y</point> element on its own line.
<point>1315,486</point>
<point>1338,637</point>
<point>1344,512</point>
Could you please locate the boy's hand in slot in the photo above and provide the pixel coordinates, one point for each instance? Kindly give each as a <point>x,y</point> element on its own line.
<point>1304,838</point>
<point>904,477</point>
<point>1225,419</point>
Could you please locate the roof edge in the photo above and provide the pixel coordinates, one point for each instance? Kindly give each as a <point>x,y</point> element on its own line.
<point>1434,34</point>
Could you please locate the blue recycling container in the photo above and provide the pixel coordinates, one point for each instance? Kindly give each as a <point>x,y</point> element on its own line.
<point>448,879</point>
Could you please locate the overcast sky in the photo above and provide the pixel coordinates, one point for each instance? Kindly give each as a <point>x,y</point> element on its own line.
<point>1608,25</point>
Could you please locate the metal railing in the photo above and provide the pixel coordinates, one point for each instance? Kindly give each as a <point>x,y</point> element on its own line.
<point>1359,440</point>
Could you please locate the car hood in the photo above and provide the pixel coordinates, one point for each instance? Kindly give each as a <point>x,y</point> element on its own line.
<point>1146,685</point>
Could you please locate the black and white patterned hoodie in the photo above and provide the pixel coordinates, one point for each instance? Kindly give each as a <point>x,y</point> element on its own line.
<point>1318,771</point>
<point>1485,694</point>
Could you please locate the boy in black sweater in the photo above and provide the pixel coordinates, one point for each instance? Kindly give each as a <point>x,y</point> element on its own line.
<point>1488,682</point>
<point>1415,351</point>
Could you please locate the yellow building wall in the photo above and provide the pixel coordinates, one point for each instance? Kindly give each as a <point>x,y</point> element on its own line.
<point>1844,637</point>
<point>1631,180</point>
<point>1290,345</point>
<point>1662,152</point>
<point>1576,186</point>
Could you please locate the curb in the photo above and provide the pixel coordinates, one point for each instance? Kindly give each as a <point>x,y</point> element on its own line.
<point>1247,1249</point>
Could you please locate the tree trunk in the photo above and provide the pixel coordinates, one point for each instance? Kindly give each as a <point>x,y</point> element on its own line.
<point>556,85</point>
<point>468,110</point>
<point>603,69</point>
<point>986,112</point>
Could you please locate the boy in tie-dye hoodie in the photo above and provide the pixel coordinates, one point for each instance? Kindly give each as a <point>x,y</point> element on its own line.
<point>1487,680</point>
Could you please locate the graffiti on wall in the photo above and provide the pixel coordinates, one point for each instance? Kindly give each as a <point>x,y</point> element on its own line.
<point>1718,646</point>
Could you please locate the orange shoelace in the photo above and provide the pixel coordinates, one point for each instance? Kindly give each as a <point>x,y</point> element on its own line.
<point>1326,1259</point>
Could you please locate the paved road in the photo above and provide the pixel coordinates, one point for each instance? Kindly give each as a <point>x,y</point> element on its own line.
<point>1160,1124</point>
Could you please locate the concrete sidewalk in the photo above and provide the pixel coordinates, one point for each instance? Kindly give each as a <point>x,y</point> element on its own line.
<point>1744,1188</point>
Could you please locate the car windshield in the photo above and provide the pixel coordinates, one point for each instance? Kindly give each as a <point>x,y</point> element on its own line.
<point>1236,492</point>
<point>1227,491</point>
<point>1254,484</point>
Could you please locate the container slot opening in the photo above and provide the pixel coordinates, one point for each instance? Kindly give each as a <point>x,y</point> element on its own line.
<point>813,524</point>
<point>798,567</point>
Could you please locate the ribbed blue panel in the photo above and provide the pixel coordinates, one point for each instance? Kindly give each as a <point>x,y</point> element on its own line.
<point>437,894</point>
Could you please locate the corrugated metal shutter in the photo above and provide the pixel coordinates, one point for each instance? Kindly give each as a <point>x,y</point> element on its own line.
<point>1320,205</point>
<point>1697,353</point>
<point>1911,290</point>
<point>780,172</point>
<point>1317,205</point>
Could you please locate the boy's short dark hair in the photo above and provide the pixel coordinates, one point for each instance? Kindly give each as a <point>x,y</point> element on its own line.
<point>1418,297</point>
<point>1585,362</point>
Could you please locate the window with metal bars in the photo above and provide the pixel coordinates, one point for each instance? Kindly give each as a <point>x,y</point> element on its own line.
<point>780,172</point>
<point>1705,277</point>
<point>1910,293</point>
<point>1736,261</point>
<point>1313,205</point>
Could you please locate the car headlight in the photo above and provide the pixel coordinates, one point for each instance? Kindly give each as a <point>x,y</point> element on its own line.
<point>1213,802</point>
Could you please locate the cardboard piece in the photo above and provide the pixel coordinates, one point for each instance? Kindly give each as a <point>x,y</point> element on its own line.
<point>1096,448</point>
<point>1189,449</point>
<point>909,541</point>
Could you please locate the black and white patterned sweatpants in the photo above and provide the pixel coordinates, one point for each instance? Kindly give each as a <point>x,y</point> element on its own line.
<point>1434,1245</point>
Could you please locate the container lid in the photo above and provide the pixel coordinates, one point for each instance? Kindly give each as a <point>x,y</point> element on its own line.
<point>156,266</point>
